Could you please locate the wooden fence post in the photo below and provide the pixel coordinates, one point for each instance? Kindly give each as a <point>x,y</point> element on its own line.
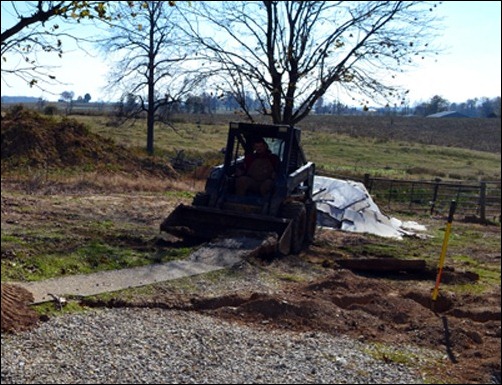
<point>411,193</point>
<point>435,195</point>
<point>482,201</point>
<point>390,194</point>
<point>366,181</point>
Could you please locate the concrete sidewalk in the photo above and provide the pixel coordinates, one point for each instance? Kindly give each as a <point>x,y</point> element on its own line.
<point>107,281</point>
<point>217,255</point>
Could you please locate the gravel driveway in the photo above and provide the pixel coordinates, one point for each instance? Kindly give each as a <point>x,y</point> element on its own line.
<point>164,346</point>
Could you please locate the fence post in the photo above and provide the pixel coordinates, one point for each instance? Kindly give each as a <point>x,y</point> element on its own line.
<point>482,201</point>
<point>366,181</point>
<point>411,193</point>
<point>390,194</point>
<point>435,195</point>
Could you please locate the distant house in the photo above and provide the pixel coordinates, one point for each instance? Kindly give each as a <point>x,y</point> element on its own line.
<point>448,114</point>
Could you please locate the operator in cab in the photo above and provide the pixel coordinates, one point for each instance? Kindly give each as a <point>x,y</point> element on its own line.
<point>259,170</point>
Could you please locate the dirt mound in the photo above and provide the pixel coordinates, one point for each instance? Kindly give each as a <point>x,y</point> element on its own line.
<point>16,314</point>
<point>32,140</point>
<point>466,328</point>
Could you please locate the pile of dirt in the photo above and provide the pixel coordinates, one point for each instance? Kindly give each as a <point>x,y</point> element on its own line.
<point>29,139</point>
<point>466,328</point>
<point>16,313</point>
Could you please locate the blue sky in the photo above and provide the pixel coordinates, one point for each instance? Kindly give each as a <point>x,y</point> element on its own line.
<point>469,66</point>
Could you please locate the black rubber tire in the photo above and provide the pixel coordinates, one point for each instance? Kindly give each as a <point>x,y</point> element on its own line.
<point>311,223</point>
<point>297,212</point>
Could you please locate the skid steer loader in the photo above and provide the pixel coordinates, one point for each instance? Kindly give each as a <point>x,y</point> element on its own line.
<point>288,211</point>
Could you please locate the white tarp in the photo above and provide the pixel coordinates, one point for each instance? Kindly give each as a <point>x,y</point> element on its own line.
<point>347,205</point>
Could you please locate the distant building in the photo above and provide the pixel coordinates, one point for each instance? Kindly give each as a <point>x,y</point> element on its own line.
<point>447,114</point>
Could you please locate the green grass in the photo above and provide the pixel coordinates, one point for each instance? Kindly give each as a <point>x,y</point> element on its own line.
<point>333,153</point>
<point>92,257</point>
<point>185,136</point>
<point>423,359</point>
<point>342,154</point>
<point>89,258</point>
<point>180,194</point>
<point>79,247</point>
<point>51,310</point>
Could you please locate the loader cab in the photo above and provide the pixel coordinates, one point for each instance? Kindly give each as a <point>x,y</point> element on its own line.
<point>279,138</point>
<point>244,145</point>
<point>252,202</point>
<point>282,140</point>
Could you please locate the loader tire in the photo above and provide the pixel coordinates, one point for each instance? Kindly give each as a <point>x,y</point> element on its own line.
<point>297,212</point>
<point>311,223</point>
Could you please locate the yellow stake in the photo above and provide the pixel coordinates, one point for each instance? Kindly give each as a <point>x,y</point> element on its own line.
<point>435,292</point>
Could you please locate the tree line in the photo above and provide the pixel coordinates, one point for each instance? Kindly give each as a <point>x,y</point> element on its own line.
<point>208,103</point>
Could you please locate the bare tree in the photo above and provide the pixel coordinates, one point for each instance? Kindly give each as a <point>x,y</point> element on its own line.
<point>35,29</point>
<point>290,53</point>
<point>148,53</point>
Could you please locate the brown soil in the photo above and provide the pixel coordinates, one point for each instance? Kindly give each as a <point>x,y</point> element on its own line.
<point>16,313</point>
<point>305,292</point>
<point>30,140</point>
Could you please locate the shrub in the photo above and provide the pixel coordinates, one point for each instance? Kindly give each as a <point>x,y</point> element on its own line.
<point>50,110</point>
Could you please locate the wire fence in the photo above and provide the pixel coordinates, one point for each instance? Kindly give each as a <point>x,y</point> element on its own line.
<point>480,201</point>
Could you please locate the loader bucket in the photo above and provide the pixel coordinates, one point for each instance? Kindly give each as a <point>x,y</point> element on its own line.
<point>208,223</point>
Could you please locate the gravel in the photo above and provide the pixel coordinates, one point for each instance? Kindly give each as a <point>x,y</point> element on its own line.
<point>164,346</point>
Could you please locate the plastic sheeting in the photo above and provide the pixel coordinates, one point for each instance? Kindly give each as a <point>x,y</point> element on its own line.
<point>346,205</point>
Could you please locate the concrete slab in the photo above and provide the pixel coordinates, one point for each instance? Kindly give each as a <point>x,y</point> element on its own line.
<point>216,255</point>
<point>107,281</point>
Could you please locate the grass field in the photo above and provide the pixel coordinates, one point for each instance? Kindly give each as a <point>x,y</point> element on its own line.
<point>367,145</point>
